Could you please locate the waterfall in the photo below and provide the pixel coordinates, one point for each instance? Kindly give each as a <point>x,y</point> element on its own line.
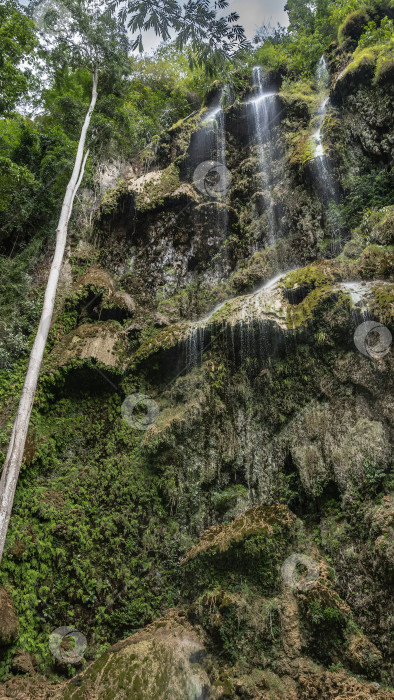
<point>322,74</point>
<point>322,81</point>
<point>217,115</point>
<point>264,115</point>
<point>321,166</point>
<point>209,154</point>
<point>319,148</point>
<point>246,326</point>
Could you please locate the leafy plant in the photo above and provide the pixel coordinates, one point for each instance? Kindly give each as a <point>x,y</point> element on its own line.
<point>17,42</point>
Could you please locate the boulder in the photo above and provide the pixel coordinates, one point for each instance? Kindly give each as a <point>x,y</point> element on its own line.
<point>165,660</point>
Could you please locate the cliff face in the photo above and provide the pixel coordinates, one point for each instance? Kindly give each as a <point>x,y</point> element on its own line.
<point>239,526</point>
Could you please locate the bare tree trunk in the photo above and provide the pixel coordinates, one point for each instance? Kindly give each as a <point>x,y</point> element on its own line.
<point>12,464</point>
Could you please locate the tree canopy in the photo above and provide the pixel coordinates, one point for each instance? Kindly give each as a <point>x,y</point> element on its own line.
<point>17,41</point>
<point>209,39</point>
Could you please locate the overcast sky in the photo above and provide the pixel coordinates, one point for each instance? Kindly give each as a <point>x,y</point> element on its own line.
<point>253,14</point>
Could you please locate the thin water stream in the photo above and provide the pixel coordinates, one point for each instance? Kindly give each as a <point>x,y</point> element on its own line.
<point>264,115</point>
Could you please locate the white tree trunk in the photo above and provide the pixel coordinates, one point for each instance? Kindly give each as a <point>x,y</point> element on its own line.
<point>12,464</point>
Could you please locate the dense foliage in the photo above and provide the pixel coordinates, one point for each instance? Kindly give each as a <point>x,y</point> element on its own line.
<point>314,26</point>
<point>17,41</point>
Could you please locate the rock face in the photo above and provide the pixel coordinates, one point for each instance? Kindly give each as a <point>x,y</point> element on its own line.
<point>101,343</point>
<point>241,541</point>
<point>9,626</point>
<point>162,661</point>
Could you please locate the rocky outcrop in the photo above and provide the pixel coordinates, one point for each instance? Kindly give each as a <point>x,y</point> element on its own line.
<point>165,660</point>
<point>100,342</point>
<point>9,626</point>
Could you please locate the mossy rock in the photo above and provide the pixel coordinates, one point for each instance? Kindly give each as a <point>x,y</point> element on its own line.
<point>255,521</point>
<point>382,303</point>
<point>303,150</point>
<point>101,342</point>
<point>117,306</point>
<point>352,28</point>
<point>161,340</point>
<point>367,67</point>
<point>384,74</point>
<point>363,656</point>
<point>378,226</point>
<point>96,279</point>
<point>376,262</point>
<point>329,443</point>
<point>300,99</point>
<point>163,661</point>
<point>152,189</point>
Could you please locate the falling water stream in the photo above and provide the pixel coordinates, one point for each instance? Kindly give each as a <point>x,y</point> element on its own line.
<point>247,314</point>
<point>264,114</point>
<point>213,139</point>
<point>322,82</point>
<point>322,171</point>
<point>319,148</point>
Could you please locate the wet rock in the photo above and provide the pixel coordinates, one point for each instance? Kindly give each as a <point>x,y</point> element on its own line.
<point>332,442</point>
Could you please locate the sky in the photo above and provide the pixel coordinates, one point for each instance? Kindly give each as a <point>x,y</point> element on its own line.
<point>253,14</point>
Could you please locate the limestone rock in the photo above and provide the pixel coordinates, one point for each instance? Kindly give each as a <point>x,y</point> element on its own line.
<point>99,341</point>
<point>163,661</point>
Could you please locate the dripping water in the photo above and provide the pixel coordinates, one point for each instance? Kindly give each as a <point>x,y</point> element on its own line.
<point>251,329</point>
<point>213,132</point>
<point>324,179</point>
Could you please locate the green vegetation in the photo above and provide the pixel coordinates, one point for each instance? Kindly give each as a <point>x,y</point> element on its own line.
<point>112,526</point>
<point>17,41</point>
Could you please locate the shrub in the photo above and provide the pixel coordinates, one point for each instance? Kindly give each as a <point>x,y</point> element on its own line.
<point>352,28</point>
<point>373,34</point>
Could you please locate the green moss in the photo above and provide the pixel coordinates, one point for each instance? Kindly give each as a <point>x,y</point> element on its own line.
<point>193,300</point>
<point>153,193</point>
<point>111,197</point>
<point>303,149</point>
<point>383,303</point>
<point>161,340</point>
<point>300,314</point>
<point>310,277</point>
<point>376,262</point>
<point>363,59</point>
<point>384,74</point>
<point>299,96</point>
<point>372,62</point>
<point>260,267</point>
<point>352,28</point>
<point>315,283</point>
